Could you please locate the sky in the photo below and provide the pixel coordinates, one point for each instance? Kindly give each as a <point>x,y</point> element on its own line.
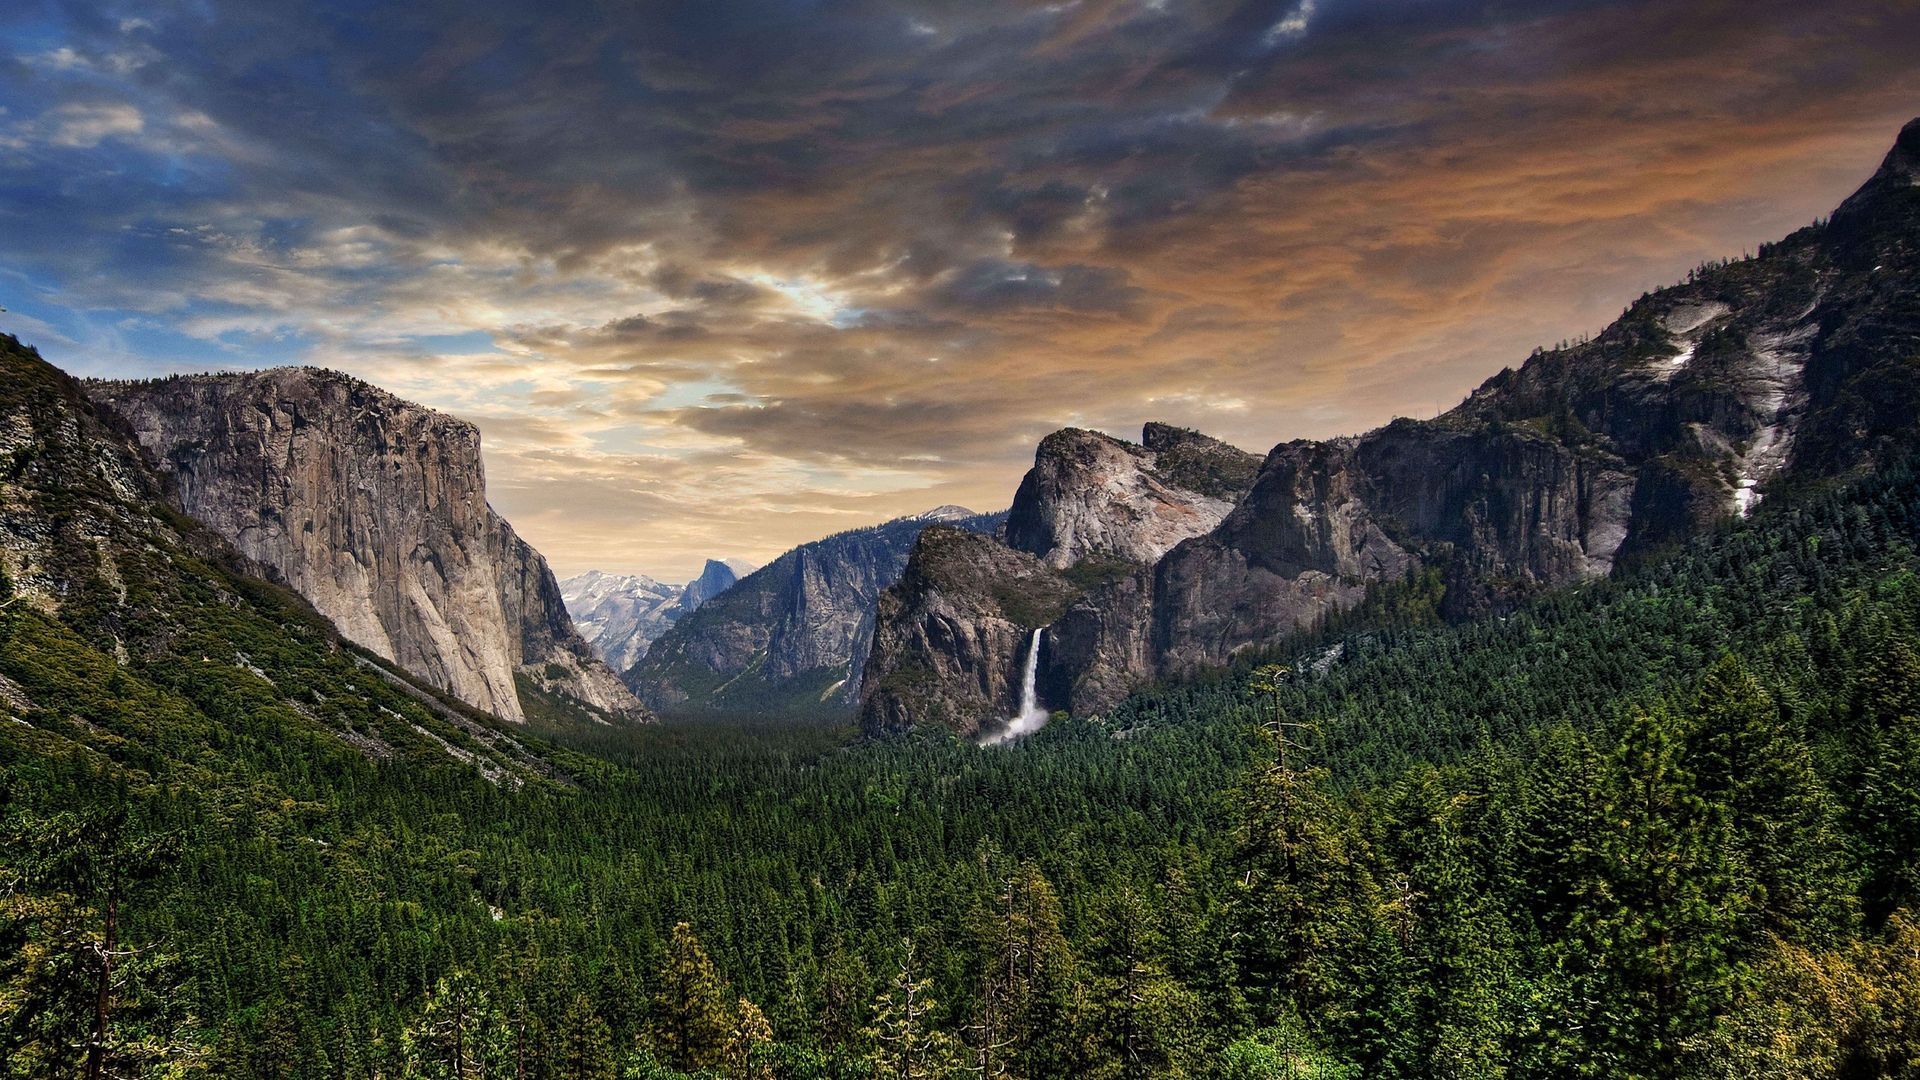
<point>721,276</point>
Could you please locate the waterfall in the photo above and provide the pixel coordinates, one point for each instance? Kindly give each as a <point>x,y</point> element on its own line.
<point>1032,717</point>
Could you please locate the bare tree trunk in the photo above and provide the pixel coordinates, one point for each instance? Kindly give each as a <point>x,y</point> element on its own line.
<point>97,1048</point>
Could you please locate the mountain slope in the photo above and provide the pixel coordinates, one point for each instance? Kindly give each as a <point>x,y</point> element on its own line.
<point>141,636</point>
<point>620,614</point>
<point>374,509</point>
<point>794,634</point>
<point>1795,367</point>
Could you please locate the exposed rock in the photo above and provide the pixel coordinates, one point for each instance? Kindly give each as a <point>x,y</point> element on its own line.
<point>715,578</point>
<point>374,509</point>
<point>947,630</point>
<point>130,628</point>
<point>1092,494</point>
<point>1101,510</point>
<point>794,634</point>
<point>1794,367</point>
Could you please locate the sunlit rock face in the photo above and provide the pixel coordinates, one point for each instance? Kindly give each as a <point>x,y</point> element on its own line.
<point>1092,514</point>
<point>1794,367</point>
<point>375,510</point>
<point>951,636</point>
<point>1090,494</point>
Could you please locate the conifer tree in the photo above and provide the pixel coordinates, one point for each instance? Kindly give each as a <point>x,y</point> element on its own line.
<point>691,1021</point>
<point>747,1047</point>
<point>582,1047</point>
<point>1752,760</point>
<point>906,1045</point>
<point>450,1039</point>
<point>1661,910</point>
<point>1142,1017</point>
<point>1294,908</point>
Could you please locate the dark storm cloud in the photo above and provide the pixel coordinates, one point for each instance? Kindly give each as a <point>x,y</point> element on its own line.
<point>864,252</point>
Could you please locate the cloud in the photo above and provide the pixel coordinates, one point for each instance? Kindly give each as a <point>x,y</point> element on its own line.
<point>717,278</point>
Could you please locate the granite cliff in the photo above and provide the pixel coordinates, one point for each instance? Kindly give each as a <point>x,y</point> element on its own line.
<point>131,634</point>
<point>1753,378</point>
<point>1092,514</point>
<point>374,509</point>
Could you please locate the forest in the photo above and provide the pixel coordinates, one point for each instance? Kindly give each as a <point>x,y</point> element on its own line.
<point>1655,826</point>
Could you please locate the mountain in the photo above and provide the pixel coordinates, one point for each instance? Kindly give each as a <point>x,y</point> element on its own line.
<point>621,615</point>
<point>715,578</point>
<point>1798,366</point>
<point>135,637</point>
<point>1093,511</point>
<point>375,510</point>
<point>794,634</point>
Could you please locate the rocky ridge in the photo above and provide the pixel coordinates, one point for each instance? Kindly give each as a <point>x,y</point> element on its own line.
<point>1752,378</point>
<point>1092,514</point>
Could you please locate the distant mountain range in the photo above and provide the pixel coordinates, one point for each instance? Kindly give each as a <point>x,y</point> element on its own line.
<point>621,615</point>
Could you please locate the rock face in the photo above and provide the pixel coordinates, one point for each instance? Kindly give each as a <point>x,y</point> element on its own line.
<point>375,510</point>
<point>794,634</point>
<point>128,630</point>
<point>1091,494</point>
<point>1755,376</point>
<point>715,578</point>
<point>1094,510</point>
<point>947,630</point>
<point>622,615</point>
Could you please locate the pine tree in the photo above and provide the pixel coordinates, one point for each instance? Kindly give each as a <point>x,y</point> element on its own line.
<point>748,1045</point>
<point>1887,800</point>
<point>582,1047</point>
<point>691,1021</point>
<point>1752,759</point>
<point>906,1044</point>
<point>450,1039</point>
<point>1143,1018</point>
<point>81,1001</point>
<point>1295,903</point>
<point>1660,913</point>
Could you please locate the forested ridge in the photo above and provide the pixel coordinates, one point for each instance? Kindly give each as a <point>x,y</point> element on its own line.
<point>1662,825</point>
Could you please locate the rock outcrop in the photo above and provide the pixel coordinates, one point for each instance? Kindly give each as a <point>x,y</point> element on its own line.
<point>1090,494</point>
<point>1755,376</point>
<point>715,578</point>
<point>130,632</point>
<point>945,632</point>
<point>793,635</point>
<point>1096,511</point>
<point>374,509</point>
<point>622,615</point>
